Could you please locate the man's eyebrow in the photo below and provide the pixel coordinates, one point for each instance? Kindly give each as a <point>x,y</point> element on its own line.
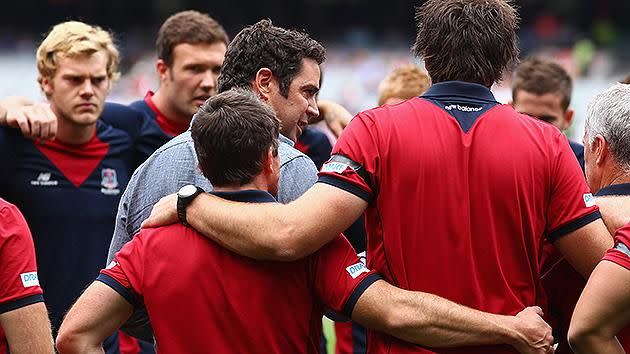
<point>311,87</point>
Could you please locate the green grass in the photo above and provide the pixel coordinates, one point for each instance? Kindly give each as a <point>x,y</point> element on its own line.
<point>329,332</point>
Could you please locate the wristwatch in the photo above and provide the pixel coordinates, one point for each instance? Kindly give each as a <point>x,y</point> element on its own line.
<point>184,197</point>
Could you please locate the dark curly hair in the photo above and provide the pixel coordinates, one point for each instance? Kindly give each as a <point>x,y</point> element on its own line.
<point>467,40</point>
<point>233,132</point>
<point>264,45</point>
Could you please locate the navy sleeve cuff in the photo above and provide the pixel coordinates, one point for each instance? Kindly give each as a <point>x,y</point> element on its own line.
<point>119,288</point>
<point>358,291</point>
<point>19,303</point>
<point>346,186</point>
<point>572,226</point>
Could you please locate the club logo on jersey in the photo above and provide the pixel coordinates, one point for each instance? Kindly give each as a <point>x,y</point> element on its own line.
<point>334,166</point>
<point>356,269</point>
<point>461,108</point>
<point>43,179</point>
<point>589,200</point>
<point>29,279</point>
<point>109,182</point>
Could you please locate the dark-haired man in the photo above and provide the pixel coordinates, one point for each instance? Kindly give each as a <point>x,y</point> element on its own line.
<point>235,138</point>
<point>190,49</point>
<point>459,191</point>
<point>542,89</point>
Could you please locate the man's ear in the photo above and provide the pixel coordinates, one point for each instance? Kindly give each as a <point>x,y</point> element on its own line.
<point>162,70</point>
<point>263,82</point>
<point>269,161</point>
<point>568,118</point>
<point>600,148</point>
<point>46,86</point>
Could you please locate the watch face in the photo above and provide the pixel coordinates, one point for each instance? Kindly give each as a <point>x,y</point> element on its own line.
<point>187,190</point>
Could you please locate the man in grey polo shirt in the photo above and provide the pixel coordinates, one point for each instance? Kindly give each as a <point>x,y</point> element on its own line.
<point>282,67</point>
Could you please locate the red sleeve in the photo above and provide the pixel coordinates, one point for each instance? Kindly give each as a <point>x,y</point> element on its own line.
<point>124,274</point>
<point>571,204</point>
<point>340,277</point>
<point>354,160</point>
<point>620,253</point>
<point>18,268</point>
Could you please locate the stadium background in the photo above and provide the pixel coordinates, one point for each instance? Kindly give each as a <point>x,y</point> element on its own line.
<point>365,39</point>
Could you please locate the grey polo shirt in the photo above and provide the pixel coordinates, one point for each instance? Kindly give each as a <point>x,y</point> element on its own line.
<point>174,165</point>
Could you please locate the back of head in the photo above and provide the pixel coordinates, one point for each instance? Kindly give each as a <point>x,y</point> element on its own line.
<point>191,27</point>
<point>71,39</point>
<point>541,76</point>
<point>609,116</point>
<point>467,40</point>
<point>403,83</point>
<point>263,45</point>
<point>233,132</point>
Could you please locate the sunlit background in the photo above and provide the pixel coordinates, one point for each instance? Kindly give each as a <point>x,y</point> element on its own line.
<point>365,40</point>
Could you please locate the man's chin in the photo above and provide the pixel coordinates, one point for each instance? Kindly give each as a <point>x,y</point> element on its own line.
<point>86,119</point>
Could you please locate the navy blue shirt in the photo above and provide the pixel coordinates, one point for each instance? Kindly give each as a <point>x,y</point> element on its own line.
<point>143,130</point>
<point>69,197</point>
<point>578,150</point>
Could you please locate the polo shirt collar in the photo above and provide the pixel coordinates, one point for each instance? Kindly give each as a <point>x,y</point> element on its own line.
<point>459,89</point>
<point>284,139</point>
<point>248,196</point>
<point>614,189</point>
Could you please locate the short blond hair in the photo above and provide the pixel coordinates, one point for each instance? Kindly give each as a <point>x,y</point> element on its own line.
<point>74,38</point>
<point>404,82</point>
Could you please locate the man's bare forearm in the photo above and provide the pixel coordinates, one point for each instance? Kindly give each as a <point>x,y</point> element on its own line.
<point>274,231</point>
<point>259,231</point>
<point>433,321</point>
<point>27,330</point>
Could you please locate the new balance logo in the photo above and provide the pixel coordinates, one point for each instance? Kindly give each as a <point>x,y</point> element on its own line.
<point>462,108</point>
<point>43,179</point>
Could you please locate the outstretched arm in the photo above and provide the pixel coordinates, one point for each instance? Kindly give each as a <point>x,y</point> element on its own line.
<point>433,321</point>
<point>268,231</point>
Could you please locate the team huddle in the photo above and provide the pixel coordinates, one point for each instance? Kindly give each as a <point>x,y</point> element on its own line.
<point>194,219</point>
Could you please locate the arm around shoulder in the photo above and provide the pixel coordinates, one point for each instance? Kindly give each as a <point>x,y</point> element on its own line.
<point>433,321</point>
<point>273,231</point>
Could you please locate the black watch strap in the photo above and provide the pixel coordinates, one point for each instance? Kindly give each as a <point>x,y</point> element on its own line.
<point>183,202</point>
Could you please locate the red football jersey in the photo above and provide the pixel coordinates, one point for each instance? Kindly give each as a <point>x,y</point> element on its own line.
<point>18,275</point>
<point>620,254</point>
<point>204,298</point>
<point>462,191</point>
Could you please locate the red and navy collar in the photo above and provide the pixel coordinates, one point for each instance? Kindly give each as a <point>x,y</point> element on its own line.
<point>169,126</point>
<point>614,189</point>
<point>459,89</point>
<point>248,196</point>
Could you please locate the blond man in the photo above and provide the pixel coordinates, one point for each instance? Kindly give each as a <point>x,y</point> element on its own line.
<point>69,188</point>
<point>403,83</point>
